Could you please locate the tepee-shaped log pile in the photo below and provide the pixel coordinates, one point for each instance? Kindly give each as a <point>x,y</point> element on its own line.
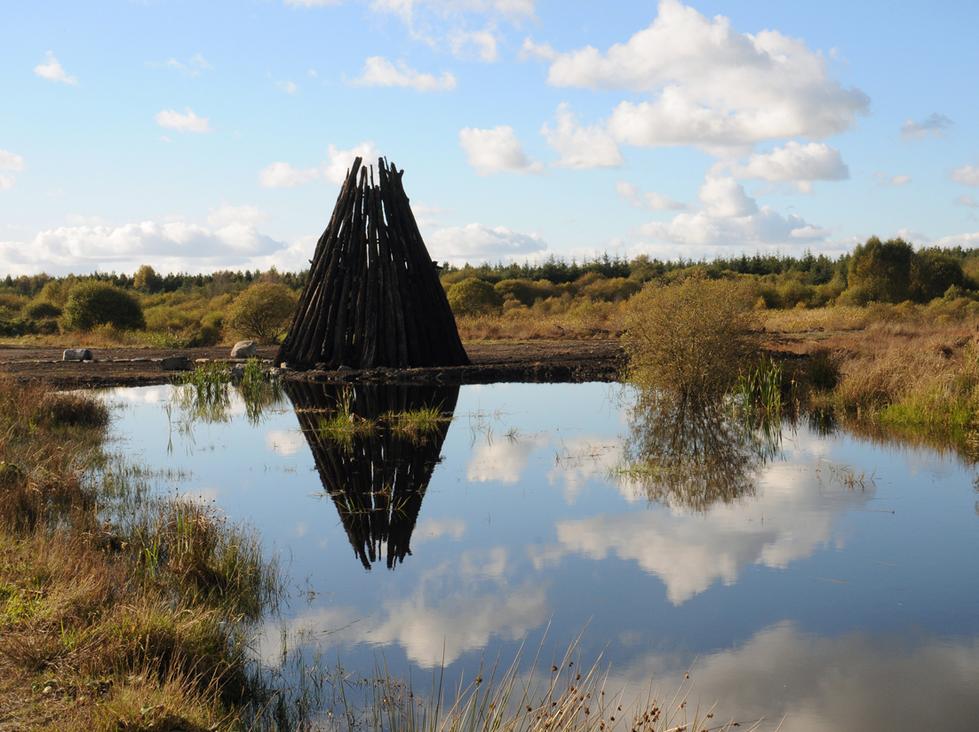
<point>378,478</point>
<point>373,297</point>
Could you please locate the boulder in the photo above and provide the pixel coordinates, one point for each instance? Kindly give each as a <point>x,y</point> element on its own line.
<point>175,363</point>
<point>244,349</point>
<point>76,354</point>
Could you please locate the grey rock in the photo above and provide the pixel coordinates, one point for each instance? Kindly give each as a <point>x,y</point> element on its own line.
<point>175,363</point>
<point>244,349</point>
<point>76,354</point>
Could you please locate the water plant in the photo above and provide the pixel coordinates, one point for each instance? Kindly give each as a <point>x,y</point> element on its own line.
<point>418,423</point>
<point>759,386</point>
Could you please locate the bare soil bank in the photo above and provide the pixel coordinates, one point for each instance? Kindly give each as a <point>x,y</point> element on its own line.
<point>492,361</point>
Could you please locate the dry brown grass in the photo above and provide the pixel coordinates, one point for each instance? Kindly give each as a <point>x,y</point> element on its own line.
<point>555,318</point>
<point>911,374</point>
<point>129,625</point>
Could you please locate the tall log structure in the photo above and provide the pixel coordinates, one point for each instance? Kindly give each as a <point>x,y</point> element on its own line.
<point>377,481</point>
<point>373,297</point>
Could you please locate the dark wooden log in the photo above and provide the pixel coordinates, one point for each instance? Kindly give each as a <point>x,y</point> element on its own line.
<point>373,297</point>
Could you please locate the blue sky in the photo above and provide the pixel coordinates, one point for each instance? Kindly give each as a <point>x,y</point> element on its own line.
<point>196,136</point>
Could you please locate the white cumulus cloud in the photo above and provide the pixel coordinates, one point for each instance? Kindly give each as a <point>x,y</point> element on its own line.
<point>495,150</point>
<point>333,169</point>
<point>581,147</point>
<point>967,175</point>
<point>730,217</point>
<point>796,163</point>
<point>649,200</point>
<point>480,43</point>
<point>186,121</point>
<point>339,161</point>
<point>379,71</point>
<point>52,70</point>
<point>532,49</point>
<point>284,175</point>
<point>232,241</point>
<point>477,242</point>
<point>710,85</point>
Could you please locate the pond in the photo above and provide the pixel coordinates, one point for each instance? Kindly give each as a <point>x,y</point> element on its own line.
<point>821,580</point>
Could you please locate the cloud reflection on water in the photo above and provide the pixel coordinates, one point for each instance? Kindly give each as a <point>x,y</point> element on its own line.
<point>855,681</point>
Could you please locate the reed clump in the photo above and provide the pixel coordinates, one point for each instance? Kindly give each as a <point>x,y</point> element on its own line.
<point>114,613</point>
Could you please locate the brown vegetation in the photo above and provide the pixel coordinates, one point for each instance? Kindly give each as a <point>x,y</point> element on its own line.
<point>690,339</point>
<point>111,619</point>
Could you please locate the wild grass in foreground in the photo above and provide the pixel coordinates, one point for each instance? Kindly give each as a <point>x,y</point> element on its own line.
<point>560,695</point>
<point>110,620</point>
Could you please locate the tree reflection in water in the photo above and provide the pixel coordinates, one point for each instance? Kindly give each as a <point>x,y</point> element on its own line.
<point>694,453</point>
<point>377,475</point>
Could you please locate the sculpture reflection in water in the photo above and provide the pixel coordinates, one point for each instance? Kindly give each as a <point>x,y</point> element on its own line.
<point>375,447</point>
<point>695,453</point>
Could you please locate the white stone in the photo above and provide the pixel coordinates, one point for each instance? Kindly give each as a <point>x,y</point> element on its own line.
<point>244,349</point>
<point>76,354</point>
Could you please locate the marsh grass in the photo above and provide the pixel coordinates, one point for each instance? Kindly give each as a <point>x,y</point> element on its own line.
<point>759,388</point>
<point>205,394</point>
<point>913,385</point>
<point>202,557</point>
<point>563,694</point>
<point>117,610</point>
<point>342,425</point>
<point>417,424</point>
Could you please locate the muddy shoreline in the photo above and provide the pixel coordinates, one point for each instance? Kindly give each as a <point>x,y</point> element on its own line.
<point>492,361</point>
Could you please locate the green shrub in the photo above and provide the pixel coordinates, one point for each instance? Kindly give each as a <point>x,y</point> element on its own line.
<point>262,312</point>
<point>169,319</point>
<point>933,273</point>
<point>690,339</point>
<point>526,292</point>
<point>792,292</point>
<point>882,270</point>
<point>42,310</point>
<point>613,289</point>
<point>474,297</point>
<point>11,304</point>
<point>14,327</point>
<point>99,303</point>
<point>147,280</point>
<point>57,291</point>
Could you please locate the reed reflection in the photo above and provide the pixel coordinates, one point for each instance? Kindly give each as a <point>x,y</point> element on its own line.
<point>375,448</point>
<point>695,453</point>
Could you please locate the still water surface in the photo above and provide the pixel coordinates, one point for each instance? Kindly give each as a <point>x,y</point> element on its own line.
<point>837,587</point>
